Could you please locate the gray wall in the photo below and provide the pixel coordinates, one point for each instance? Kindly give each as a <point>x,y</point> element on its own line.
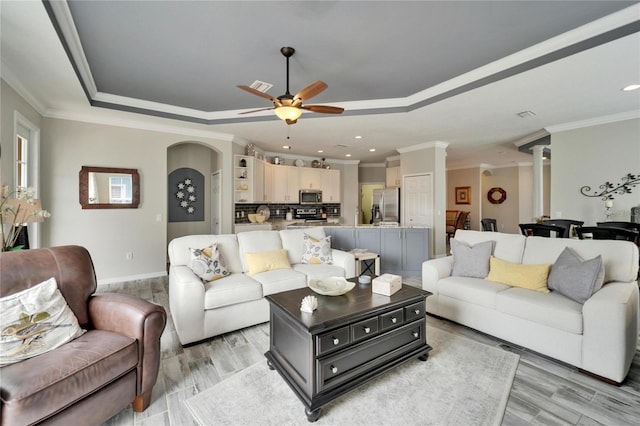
<point>201,158</point>
<point>591,156</point>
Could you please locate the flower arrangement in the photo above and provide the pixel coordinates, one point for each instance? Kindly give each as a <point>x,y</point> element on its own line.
<point>16,210</point>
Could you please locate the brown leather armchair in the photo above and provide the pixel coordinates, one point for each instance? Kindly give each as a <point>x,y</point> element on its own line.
<point>93,377</point>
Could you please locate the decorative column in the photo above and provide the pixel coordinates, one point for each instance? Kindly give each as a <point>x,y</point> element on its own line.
<point>538,153</point>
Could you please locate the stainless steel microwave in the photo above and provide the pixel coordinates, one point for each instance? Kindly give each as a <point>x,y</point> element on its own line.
<point>310,196</point>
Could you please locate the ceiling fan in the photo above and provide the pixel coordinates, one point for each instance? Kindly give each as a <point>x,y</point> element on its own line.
<point>289,107</point>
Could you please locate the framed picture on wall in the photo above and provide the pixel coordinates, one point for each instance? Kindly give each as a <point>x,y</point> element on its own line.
<point>463,195</point>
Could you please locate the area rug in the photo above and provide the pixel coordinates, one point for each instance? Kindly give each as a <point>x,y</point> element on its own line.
<point>462,383</point>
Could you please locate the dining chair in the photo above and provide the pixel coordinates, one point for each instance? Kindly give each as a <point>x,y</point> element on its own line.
<point>543,230</point>
<point>460,220</point>
<point>565,223</point>
<point>608,233</point>
<point>489,224</point>
<point>616,224</point>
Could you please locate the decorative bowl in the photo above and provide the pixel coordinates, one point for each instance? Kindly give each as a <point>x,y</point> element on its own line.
<point>256,218</point>
<point>332,286</point>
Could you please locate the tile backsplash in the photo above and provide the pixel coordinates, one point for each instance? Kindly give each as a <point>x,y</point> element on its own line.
<point>278,211</point>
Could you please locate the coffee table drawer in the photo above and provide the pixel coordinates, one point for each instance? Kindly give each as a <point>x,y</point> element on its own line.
<point>377,351</point>
<point>415,311</point>
<point>364,329</point>
<point>392,319</point>
<point>332,340</point>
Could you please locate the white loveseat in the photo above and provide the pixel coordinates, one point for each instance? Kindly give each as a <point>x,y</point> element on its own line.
<point>202,310</point>
<point>599,336</point>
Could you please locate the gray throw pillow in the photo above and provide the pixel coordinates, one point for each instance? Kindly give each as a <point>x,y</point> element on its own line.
<point>471,261</point>
<point>575,278</point>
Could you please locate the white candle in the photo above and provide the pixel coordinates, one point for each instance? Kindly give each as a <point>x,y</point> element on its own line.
<point>608,204</point>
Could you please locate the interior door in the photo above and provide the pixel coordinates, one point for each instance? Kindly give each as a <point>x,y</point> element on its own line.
<point>417,199</point>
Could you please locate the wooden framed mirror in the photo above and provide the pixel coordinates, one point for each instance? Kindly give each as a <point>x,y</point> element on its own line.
<point>109,188</point>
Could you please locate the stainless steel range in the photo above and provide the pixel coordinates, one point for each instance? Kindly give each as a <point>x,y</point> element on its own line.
<point>310,214</point>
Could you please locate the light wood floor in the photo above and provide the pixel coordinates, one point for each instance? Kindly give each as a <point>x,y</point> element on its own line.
<point>544,392</point>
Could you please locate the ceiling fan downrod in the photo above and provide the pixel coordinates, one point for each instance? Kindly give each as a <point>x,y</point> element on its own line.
<point>287,52</point>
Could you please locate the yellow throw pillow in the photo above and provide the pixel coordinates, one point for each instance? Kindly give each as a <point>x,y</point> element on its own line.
<point>267,261</point>
<point>531,277</point>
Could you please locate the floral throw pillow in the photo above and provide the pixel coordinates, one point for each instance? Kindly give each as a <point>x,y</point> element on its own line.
<point>207,263</point>
<point>35,321</point>
<point>317,251</point>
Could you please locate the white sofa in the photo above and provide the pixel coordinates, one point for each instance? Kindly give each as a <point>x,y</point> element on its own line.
<point>236,301</point>
<point>599,337</point>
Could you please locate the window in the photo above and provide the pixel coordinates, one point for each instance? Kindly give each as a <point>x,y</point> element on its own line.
<point>22,169</point>
<point>120,190</point>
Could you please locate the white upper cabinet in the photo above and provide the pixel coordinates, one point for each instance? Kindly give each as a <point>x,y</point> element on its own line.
<point>286,184</point>
<point>330,186</point>
<point>393,176</point>
<point>310,178</point>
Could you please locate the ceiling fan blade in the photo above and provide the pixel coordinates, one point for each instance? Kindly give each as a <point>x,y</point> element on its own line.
<point>324,109</point>
<point>311,90</point>
<point>256,110</point>
<point>256,92</point>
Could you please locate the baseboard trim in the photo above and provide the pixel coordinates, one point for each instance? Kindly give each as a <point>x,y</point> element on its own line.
<point>132,277</point>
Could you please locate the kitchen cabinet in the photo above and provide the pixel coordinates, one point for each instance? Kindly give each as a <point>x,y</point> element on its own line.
<point>286,184</point>
<point>268,182</point>
<point>402,250</point>
<point>310,178</point>
<point>245,227</point>
<point>243,178</point>
<point>394,178</point>
<point>391,250</point>
<point>330,185</point>
<point>342,238</point>
<point>259,182</point>
<point>415,250</point>
<point>349,237</point>
<point>368,238</point>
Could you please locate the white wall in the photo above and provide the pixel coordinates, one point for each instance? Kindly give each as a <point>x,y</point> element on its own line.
<point>430,158</point>
<point>10,102</point>
<point>109,234</point>
<point>591,156</point>
<point>462,178</point>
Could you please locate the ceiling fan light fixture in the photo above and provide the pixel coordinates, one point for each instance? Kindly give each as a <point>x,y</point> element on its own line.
<point>288,113</point>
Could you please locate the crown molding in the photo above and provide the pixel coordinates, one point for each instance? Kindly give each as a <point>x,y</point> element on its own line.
<point>10,78</point>
<point>372,165</point>
<point>425,145</point>
<point>140,125</point>
<point>531,138</point>
<point>596,121</point>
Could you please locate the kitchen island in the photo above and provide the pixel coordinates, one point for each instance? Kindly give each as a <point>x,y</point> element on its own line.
<point>402,249</point>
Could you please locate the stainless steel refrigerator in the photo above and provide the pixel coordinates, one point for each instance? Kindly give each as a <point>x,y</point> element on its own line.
<point>386,205</point>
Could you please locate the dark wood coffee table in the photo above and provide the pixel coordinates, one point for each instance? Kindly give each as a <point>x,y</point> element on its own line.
<point>346,342</point>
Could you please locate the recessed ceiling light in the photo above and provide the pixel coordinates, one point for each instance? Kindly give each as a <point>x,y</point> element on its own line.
<point>286,147</point>
<point>320,151</point>
<point>358,137</point>
<point>347,155</point>
<point>631,87</point>
<point>372,150</point>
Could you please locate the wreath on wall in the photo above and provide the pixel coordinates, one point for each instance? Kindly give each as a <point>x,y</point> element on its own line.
<point>496,195</point>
